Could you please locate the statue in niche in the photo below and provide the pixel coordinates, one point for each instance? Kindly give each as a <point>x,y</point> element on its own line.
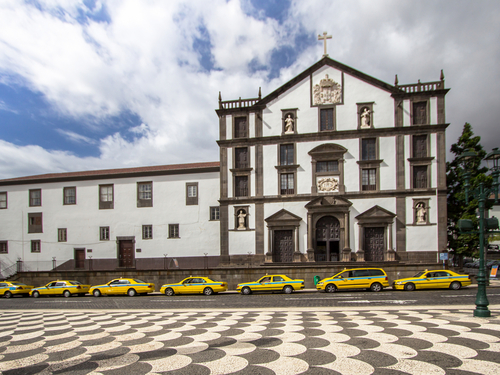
<point>241,220</point>
<point>327,92</point>
<point>421,213</point>
<point>289,124</point>
<point>365,118</point>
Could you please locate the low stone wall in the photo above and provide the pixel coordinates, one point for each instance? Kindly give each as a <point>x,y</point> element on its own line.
<point>232,275</point>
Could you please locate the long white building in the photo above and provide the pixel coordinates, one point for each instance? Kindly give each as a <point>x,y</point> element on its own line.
<point>333,166</point>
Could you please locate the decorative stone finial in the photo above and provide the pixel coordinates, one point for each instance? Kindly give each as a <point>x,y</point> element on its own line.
<point>442,75</point>
<point>260,94</point>
<point>396,80</point>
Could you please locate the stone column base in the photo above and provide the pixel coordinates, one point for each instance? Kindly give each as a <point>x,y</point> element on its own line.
<point>346,254</point>
<point>390,255</point>
<point>360,254</point>
<point>269,258</point>
<point>310,255</point>
<point>297,257</point>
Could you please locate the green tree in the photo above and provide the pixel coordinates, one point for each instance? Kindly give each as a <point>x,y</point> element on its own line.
<point>464,244</point>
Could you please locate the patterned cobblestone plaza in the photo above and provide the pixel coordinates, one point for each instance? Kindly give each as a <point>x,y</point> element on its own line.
<point>383,340</point>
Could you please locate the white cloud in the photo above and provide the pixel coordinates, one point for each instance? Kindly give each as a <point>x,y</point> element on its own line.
<point>75,137</point>
<point>143,61</point>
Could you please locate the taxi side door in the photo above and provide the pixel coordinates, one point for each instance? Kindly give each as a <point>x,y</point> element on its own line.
<point>113,287</point>
<point>344,280</point>
<point>49,289</point>
<point>264,284</point>
<point>277,283</point>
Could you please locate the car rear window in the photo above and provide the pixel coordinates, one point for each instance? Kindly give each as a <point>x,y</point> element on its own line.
<point>75,282</point>
<point>139,281</point>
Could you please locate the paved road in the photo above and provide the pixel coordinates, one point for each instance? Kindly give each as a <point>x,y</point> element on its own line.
<point>397,340</point>
<point>466,296</point>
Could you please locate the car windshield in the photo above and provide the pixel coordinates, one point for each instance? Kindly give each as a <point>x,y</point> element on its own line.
<point>75,282</point>
<point>18,284</point>
<point>418,274</point>
<point>139,281</point>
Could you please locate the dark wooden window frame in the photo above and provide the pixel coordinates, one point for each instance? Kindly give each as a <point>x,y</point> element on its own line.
<point>36,246</point>
<point>247,130</point>
<point>66,201</point>
<point>32,200</point>
<point>62,235</point>
<point>4,247</point>
<point>368,167</point>
<point>35,222</point>
<point>214,213</point>
<point>4,194</point>
<point>429,174</point>
<point>334,118</point>
<point>141,200</point>
<point>427,146</point>
<point>173,231</point>
<point>236,163</point>
<point>192,200</point>
<point>362,145</point>
<point>147,232</point>
<point>104,233</point>
<point>105,205</point>
<point>427,111</point>
<point>236,176</point>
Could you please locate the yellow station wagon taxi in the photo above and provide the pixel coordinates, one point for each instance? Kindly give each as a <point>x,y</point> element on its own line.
<point>194,285</point>
<point>11,288</point>
<point>130,287</point>
<point>433,279</point>
<point>64,288</point>
<point>374,279</point>
<point>270,283</point>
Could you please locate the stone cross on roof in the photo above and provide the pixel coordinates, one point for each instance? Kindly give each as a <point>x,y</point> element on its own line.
<point>324,38</point>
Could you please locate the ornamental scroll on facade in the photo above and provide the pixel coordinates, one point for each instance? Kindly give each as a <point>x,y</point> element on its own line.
<point>328,184</point>
<point>327,92</point>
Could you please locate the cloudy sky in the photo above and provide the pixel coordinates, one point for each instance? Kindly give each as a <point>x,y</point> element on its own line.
<point>106,84</point>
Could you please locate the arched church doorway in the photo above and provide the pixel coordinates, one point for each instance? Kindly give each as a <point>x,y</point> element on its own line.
<point>327,240</point>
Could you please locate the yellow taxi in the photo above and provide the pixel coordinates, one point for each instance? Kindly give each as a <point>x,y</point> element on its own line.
<point>11,288</point>
<point>64,288</point>
<point>194,285</point>
<point>374,279</point>
<point>433,279</point>
<point>131,287</point>
<point>271,283</point>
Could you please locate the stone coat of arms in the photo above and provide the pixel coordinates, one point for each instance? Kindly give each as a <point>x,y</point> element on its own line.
<point>328,184</point>
<point>327,92</point>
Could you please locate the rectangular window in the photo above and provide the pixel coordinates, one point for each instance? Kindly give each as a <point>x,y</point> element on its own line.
<point>4,247</point>
<point>191,193</point>
<point>369,179</point>
<point>327,166</point>
<point>241,186</point>
<point>420,177</point>
<point>69,195</point>
<point>419,146</point>
<point>36,246</point>
<point>145,194</point>
<point>420,113</point>
<point>326,119</point>
<point>35,222</point>
<point>106,197</point>
<point>62,235</point>
<point>241,157</point>
<point>35,197</point>
<point>287,155</point>
<point>368,149</point>
<point>240,127</point>
<point>104,233</point>
<point>3,200</point>
<point>173,230</point>
<point>286,184</point>
<point>214,213</point>
<point>147,232</point>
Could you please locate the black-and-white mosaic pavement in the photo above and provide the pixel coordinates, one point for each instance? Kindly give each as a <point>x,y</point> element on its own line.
<point>351,341</point>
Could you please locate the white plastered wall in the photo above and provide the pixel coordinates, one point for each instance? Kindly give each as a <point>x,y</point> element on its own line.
<point>421,237</point>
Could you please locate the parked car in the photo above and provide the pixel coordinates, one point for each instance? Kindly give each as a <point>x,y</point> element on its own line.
<point>374,279</point>
<point>271,283</point>
<point>194,285</point>
<point>432,279</point>
<point>131,287</point>
<point>12,288</point>
<point>472,264</point>
<point>64,288</point>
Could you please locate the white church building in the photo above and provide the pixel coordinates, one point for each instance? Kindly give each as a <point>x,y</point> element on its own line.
<point>333,166</point>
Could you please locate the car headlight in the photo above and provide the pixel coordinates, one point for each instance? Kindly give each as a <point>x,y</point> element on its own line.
<point>320,283</point>
<point>399,282</point>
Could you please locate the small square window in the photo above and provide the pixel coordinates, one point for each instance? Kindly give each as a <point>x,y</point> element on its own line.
<point>35,197</point>
<point>62,235</point>
<point>69,195</point>
<point>106,197</point>
<point>104,233</point>
<point>147,232</point>
<point>214,213</point>
<point>3,200</point>
<point>4,247</point>
<point>191,193</point>
<point>173,230</point>
<point>36,246</point>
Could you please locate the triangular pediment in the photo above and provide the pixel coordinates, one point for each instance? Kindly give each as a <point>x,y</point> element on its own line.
<point>328,201</point>
<point>283,216</point>
<point>376,212</point>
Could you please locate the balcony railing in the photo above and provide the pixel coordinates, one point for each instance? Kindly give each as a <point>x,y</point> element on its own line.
<point>422,87</point>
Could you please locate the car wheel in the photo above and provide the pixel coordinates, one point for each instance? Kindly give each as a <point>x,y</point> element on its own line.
<point>131,292</point>
<point>97,293</point>
<point>331,288</point>
<point>376,287</point>
<point>7,294</point>
<point>410,287</point>
<point>207,291</point>
<point>287,289</point>
<point>246,290</point>
<point>67,293</point>
<point>35,294</point>
<point>456,285</point>
<point>169,292</point>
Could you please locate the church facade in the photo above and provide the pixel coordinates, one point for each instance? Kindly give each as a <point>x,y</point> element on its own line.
<point>333,166</point>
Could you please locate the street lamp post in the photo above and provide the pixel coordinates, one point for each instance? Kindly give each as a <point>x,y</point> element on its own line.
<point>481,193</point>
